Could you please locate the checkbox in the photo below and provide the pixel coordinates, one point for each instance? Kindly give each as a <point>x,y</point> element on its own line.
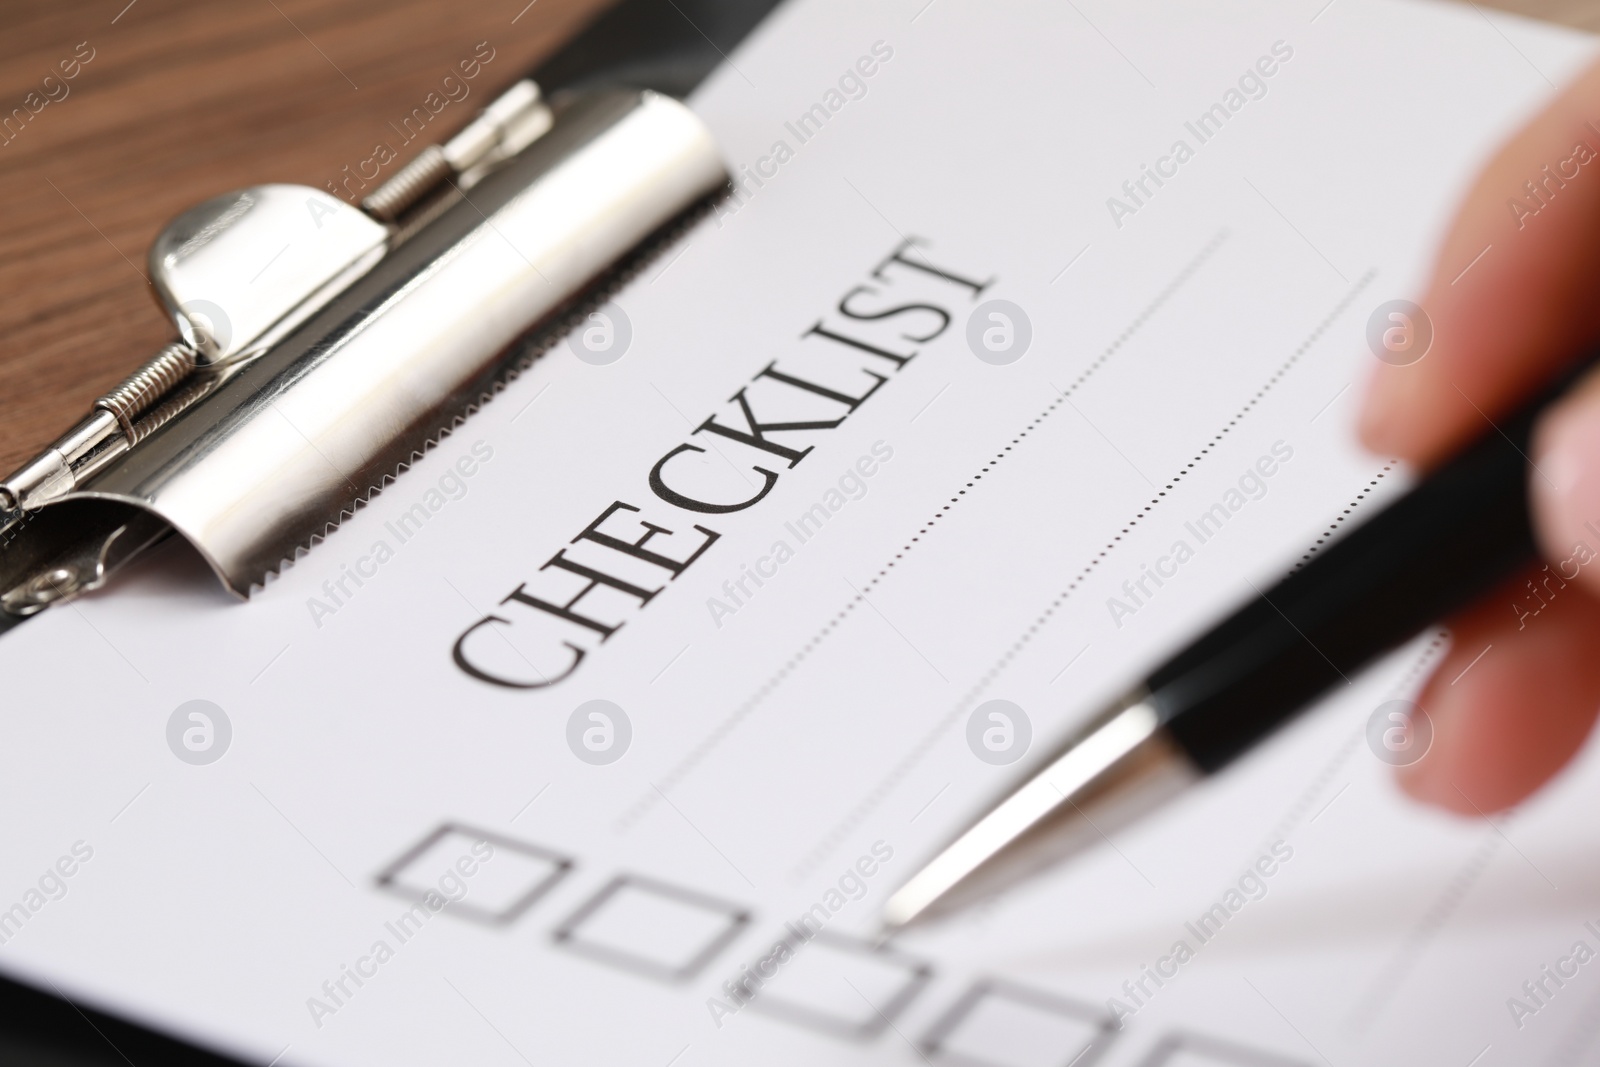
<point>651,928</point>
<point>843,986</point>
<point>483,876</point>
<point>1197,1050</point>
<point>998,1024</point>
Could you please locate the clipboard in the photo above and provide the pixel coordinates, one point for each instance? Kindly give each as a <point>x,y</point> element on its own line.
<point>632,51</point>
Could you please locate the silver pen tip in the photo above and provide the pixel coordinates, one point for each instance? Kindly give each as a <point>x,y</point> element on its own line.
<point>1110,772</point>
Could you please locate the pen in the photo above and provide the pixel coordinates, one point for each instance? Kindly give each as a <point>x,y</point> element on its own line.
<point>1459,531</point>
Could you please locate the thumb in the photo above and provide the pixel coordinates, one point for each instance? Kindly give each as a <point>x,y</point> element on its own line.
<point>1564,484</point>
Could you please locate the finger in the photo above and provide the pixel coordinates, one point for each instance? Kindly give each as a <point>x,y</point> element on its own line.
<point>1505,722</point>
<point>1512,293</point>
<point>1565,484</point>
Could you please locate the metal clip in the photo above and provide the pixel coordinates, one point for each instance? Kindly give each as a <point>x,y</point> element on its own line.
<point>322,350</point>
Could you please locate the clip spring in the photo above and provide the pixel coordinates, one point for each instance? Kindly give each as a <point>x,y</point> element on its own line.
<point>140,391</point>
<point>513,121</point>
<point>113,427</point>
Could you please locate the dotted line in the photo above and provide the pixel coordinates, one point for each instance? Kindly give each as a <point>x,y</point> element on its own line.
<point>1425,662</point>
<point>892,780</point>
<point>1333,527</point>
<point>729,724</point>
<point>1121,339</point>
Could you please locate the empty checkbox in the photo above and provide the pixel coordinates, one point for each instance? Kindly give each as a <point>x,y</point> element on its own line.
<point>998,1024</point>
<point>474,874</point>
<point>652,928</point>
<point>1197,1050</point>
<point>843,986</point>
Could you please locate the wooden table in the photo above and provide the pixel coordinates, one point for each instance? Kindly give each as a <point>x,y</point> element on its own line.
<point>176,100</point>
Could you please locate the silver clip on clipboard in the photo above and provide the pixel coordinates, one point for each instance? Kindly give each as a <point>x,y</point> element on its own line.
<point>323,347</point>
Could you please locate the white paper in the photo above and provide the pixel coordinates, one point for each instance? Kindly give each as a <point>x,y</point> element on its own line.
<point>814,727</point>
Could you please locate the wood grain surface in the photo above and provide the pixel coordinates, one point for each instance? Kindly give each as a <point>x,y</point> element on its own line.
<point>184,99</point>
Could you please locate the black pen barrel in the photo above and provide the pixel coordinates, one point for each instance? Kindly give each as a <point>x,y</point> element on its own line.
<point>1455,535</point>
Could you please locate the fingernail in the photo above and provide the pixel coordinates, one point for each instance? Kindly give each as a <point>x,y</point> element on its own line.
<point>1566,477</point>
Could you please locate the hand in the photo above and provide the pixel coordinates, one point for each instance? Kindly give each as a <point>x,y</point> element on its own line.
<point>1503,326</point>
